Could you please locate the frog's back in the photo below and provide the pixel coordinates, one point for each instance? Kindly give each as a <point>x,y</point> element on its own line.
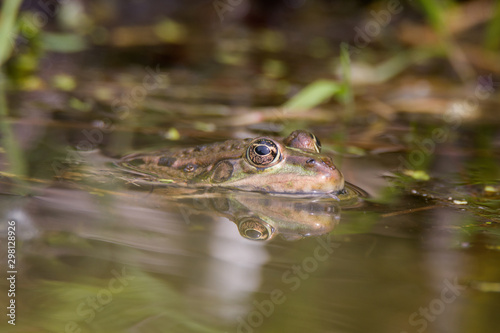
<point>184,163</point>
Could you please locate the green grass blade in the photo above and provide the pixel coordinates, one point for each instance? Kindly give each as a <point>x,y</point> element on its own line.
<point>492,40</point>
<point>8,16</point>
<point>314,94</point>
<point>8,140</point>
<point>434,11</point>
<point>346,95</point>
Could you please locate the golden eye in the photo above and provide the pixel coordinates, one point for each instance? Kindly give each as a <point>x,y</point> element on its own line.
<point>263,153</point>
<point>255,229</point>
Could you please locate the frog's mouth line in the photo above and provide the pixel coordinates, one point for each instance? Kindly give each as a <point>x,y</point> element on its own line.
<point>349,190</point>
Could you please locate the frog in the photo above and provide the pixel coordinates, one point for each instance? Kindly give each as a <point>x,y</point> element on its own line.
<point>289,165</point>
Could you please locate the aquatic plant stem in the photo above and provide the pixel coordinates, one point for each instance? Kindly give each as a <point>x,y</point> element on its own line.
<point>492,41</point>
<point>17,165</point>
<point>8,16</point>
<point>347,93</point>
<point>7,137</point>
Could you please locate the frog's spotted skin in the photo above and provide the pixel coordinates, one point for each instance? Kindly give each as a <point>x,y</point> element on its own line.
<point>265,164</point>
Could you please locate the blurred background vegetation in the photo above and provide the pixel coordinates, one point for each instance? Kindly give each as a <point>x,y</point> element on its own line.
<point>457,38</point>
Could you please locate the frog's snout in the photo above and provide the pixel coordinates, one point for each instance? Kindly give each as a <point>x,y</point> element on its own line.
<point>332,178</point>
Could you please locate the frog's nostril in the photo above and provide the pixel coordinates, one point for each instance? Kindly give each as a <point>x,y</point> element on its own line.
<point>328,162</point>
<point>311,161</point>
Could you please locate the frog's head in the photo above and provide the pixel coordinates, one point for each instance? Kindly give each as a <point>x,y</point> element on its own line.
<point>294,165</point>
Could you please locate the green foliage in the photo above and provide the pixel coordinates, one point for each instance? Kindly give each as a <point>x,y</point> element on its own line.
<point>492,40</point>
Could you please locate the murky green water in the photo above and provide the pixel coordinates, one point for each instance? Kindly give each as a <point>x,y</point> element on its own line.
<point>128,263</point>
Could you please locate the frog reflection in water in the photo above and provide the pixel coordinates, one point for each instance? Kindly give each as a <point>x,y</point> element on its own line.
<point>294,164</point>
<point>260,216</point>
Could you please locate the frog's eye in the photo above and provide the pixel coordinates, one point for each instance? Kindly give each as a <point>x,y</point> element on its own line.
<point>263,152</point>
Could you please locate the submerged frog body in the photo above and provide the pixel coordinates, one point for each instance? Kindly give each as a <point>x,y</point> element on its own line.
<point>292,165</point>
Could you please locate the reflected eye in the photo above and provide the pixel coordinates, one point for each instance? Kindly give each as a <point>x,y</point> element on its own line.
<point>263,153</point>
<point>255,229</point>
